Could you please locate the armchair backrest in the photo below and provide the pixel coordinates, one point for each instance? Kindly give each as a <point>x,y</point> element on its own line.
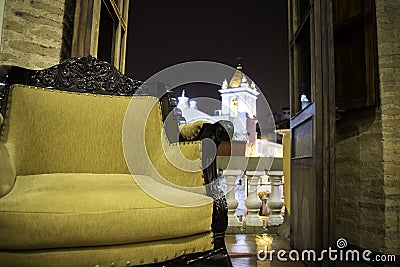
<point>51,131</point>
<point>78,126</point>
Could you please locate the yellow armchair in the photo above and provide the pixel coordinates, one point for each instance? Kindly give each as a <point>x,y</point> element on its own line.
<point>89,178</point>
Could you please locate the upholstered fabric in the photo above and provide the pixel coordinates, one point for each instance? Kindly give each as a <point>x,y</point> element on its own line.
<point>7,171</point>
<point>120,255</point>
<point>75,210</point>
<point>190,130</point>
<point>53,131</point>
<point>71,132</point>
<point>178,164</point>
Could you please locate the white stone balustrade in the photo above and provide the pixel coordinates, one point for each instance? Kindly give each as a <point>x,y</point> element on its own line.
<point>254,169</point>
<point>230,178</point>
<point>275,202</point>
<point>253,202</point>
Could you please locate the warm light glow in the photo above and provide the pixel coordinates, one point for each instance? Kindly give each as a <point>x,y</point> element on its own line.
<point>264,240</point>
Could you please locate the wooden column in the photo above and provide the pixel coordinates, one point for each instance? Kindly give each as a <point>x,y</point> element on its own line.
<point>86,28</point>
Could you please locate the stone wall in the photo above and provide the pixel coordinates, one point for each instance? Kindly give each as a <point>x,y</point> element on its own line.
<point>359,175</point>
<point>32,35</point>
<point>368,152</point>
<point>388,30</point>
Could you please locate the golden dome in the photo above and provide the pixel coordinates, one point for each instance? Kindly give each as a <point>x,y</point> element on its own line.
<point>236,80</point>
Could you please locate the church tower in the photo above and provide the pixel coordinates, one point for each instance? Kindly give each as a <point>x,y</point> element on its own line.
<point>239,102</point>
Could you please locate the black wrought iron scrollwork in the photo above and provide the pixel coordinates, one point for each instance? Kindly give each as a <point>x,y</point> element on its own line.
<point>86,74</point>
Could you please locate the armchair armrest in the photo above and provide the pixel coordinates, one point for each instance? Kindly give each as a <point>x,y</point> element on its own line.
<point>217,132</point>
<point>221,131</point>
<point>7,170</point>
<point>190,131</point>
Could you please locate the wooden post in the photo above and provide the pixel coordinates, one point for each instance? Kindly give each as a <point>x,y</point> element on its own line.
<point>86,28</point>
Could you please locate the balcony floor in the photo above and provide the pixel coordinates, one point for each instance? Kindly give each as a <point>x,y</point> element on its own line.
<point>242,249</point>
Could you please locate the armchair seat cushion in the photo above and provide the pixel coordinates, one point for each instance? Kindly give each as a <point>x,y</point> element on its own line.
<point>62,210</point>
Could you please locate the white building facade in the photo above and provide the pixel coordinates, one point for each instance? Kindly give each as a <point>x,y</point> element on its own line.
<point>238,105</point>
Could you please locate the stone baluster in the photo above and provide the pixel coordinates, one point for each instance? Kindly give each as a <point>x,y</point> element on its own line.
<point>253,202</point>
<point>230,178</point>
<point>275,203</point>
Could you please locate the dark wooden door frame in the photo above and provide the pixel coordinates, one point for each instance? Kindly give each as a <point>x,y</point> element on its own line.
<point>86,32</point>
<point>85,36</point>
<point>324,46</point>
<point>328,111</point>
<point>318,120</point>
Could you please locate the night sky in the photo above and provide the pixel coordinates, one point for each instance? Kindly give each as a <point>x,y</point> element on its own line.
<point>164,33</point>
